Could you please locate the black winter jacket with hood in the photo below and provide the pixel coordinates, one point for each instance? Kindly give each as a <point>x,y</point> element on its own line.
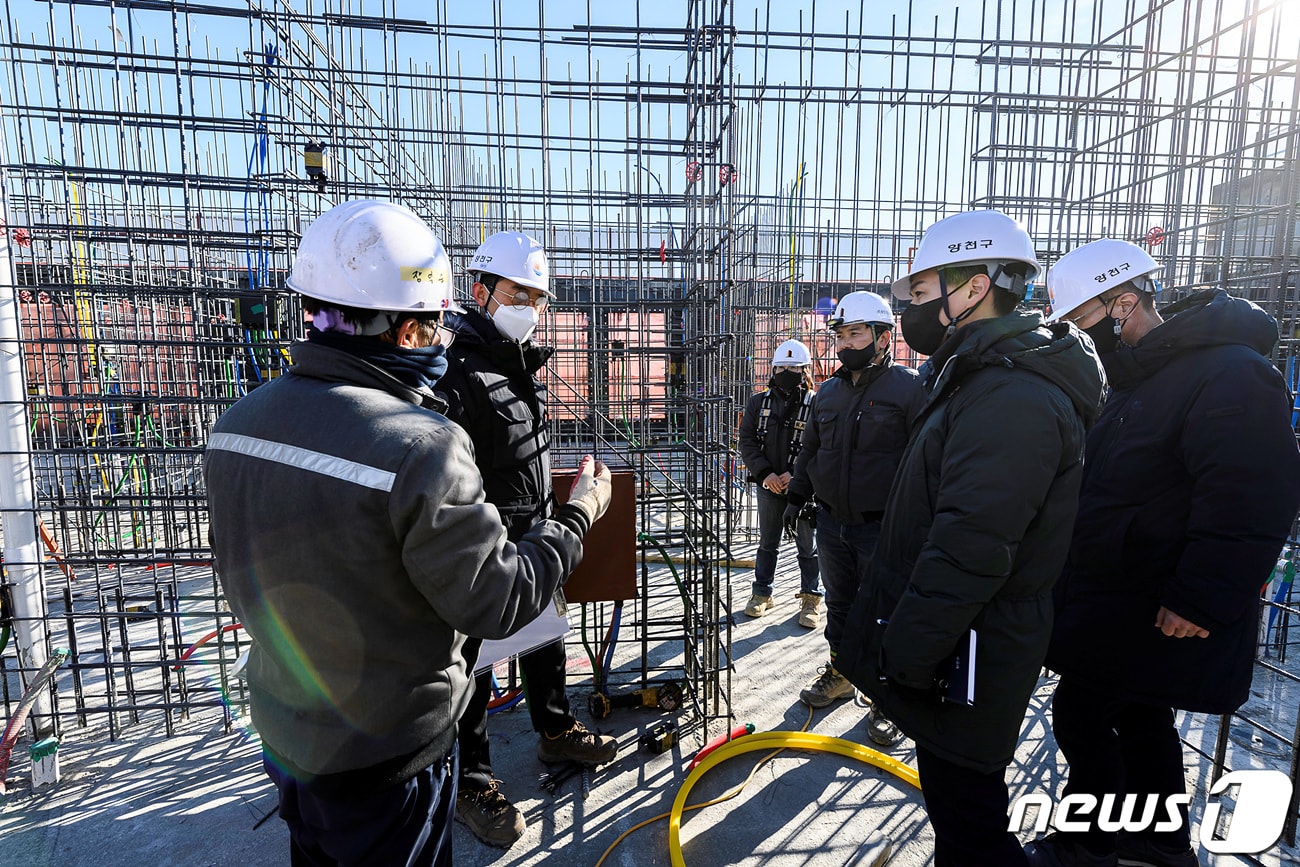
<point>493,394</point>
<point>853,444</point>
<point>975,534</point>
<point>1191,485</point>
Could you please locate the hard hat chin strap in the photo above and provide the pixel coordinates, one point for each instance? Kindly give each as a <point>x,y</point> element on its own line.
<point>943,295</point>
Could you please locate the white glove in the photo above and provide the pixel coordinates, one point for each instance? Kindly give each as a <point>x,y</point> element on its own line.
<point>592,488</point>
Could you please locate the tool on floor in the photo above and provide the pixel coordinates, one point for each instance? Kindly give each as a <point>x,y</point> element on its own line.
<point>551,781</point>
<point>660,737</point>
<point>663,696</point>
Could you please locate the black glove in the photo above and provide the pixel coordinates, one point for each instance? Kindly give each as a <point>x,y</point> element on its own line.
<point>809,513</point>
<point>789,520</point>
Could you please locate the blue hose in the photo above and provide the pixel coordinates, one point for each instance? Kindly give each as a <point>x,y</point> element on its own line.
<point>496,691</point>
<point>514,701</point>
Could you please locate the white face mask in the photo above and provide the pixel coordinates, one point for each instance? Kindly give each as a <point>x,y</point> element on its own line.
<point>515,323</point>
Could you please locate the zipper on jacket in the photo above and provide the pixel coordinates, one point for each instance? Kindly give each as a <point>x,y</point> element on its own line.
<point>847,448</point>
<point>1103,455</point>
<point>857,424</point>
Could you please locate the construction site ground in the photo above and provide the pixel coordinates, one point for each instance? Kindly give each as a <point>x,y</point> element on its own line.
<point>196,797</point>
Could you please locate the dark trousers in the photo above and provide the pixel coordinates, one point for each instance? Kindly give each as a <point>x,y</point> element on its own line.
<point>406,824</point>
<point>1119,747</point>
<point>968,813</point>
<point>844,553</point>
<point>771,510</point>
<point>543,673</point>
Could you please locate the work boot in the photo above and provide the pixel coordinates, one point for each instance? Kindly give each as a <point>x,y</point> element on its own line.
<point>1058,850</point>
<point>577,745</point>
<point>758,605</point>
<point>809,615</point>
<point>1140,851</point>
<point>826,687</point>
<point>881,731</point>
<point>490,815</point>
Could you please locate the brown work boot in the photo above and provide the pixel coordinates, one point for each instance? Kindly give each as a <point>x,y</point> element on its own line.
<point>577,745</point>
<point>828,686</point>
<point>809,613</point>
<point>490,815</point>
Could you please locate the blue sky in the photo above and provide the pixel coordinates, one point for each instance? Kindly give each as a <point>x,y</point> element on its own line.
<point>895,164</point>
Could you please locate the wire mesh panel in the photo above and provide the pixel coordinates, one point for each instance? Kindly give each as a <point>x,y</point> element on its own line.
<point>708,178</point>
<point>159,173</point>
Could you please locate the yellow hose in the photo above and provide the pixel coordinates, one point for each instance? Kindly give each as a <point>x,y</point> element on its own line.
<point>779,740</point>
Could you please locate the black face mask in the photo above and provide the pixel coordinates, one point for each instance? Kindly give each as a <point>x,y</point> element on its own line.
<point>1105,334</point>
<point>857,359</point>
<point>921,327</point>
<point>787,380</point>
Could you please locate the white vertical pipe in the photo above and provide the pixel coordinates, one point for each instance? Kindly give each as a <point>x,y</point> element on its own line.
<point>18,514</point>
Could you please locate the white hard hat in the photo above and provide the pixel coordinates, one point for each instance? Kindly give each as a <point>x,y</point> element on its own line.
<point>859,307</point>
<point>373,256</point>
<point>1086,272</point>
<point>974,238</point>
<point>516,257</point>
<point>792,352</point>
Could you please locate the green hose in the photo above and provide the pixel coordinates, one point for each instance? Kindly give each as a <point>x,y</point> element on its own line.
<point>645,537</point>
<point>585,644</point>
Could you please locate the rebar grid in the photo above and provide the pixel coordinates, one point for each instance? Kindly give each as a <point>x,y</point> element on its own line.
<point>707,177</point>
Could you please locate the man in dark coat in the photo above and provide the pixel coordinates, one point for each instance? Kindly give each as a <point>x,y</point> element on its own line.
<point>493,393</point>
<point>977,526</point>
<point>861,419</point>
<point>771,436</point>
<point>1190,487</point>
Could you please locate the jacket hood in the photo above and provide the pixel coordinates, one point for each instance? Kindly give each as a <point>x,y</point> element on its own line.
<point>476,333</point>
<point>1206,319</point>
<point>1021,339</point>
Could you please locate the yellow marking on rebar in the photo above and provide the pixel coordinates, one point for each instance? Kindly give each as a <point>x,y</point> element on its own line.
<point>793,192</point>
<point>81,277</point>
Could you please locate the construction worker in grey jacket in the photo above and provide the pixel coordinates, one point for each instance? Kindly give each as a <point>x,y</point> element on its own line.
<point>353,542</point>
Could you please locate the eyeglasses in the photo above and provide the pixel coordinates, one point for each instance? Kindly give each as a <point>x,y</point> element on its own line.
<point>446,337</point>
<point>1074,320</point>
<point>521,298</point>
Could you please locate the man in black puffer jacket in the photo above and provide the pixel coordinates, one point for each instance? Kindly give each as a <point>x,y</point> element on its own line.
<point>493,393</point>
<point>861,419</point>
<point>977,525</point>
<point>1191,485</point>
